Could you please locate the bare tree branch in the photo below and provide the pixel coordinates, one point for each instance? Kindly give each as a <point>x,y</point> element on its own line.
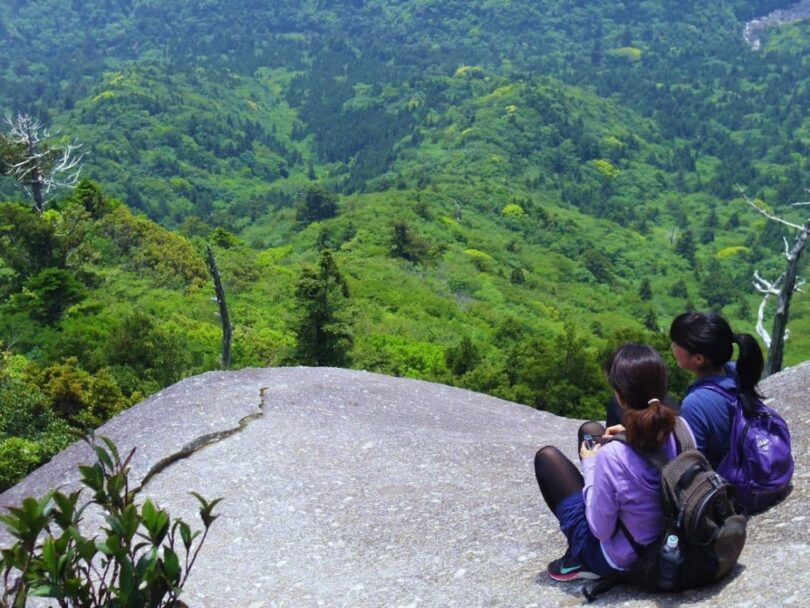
<point>29,155</point>
<point>767,213</point>
<point>764,286</point>
<point>783,288</point>
<point>763,333</point>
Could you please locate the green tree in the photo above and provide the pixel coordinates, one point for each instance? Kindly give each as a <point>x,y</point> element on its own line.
<point>463,357</point>
<point>89,195</point>
<point>322,337</point>
<point>599,266</point>
<point>28,243</point>
<point>157,354</point>
<point>645,290</point>
<point>686,247</point>
<point>49,293</point>
<point>679,289</point>
<point>319,203</point>
<point>407,245</point>
<point>560,375</point>
<point>718,287</point>
<point>651,320</point>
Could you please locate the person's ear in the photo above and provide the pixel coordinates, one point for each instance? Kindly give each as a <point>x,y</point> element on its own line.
<point>621,401</point>
<point>699,360</point>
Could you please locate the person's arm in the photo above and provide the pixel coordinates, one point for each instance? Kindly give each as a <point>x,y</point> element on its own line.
<point>599,493</point>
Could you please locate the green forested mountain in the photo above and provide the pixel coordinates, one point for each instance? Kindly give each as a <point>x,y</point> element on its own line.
<point>486,193</point>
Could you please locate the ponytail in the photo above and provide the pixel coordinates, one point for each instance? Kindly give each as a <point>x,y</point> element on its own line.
<point>710,335</point>
<point>750,364</point>
<point>647,429</point>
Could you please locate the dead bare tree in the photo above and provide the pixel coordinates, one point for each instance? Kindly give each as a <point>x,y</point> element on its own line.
<point>782,288</point>
<point>224,317</point>
<point>29,154</point>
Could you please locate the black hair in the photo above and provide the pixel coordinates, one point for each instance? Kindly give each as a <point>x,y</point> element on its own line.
<point>638,374</point>
<point>710,335</point>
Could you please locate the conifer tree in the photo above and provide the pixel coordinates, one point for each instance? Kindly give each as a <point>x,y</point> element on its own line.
<point>322,337</point>
<point>686,248</point>
<point>645,289</point>
<point>318,204</point>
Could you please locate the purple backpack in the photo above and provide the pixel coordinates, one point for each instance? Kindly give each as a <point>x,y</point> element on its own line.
<point>759,463</point>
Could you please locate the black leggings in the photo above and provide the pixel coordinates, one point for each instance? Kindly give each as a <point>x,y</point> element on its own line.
<point>557,476</point>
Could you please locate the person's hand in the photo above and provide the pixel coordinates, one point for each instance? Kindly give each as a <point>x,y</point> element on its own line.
<point>614,430</point>
<point>586,452</point>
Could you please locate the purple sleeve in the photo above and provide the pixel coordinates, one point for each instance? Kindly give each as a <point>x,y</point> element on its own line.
<point>601,489</point>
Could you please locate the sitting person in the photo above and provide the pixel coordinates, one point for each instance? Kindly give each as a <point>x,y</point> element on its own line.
<point>619,486</point>
<point>703,343</point>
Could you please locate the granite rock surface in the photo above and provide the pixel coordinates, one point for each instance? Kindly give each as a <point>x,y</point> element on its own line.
<point>346,488</point>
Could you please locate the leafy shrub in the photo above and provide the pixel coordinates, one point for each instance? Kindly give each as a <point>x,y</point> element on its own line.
<point>18,457</point>
<point>157,353</point>
<point>83,399</point>
<point>400,356</point>
<point>134,561</point>
<point>512,210</point>
<point>23,410</point>
<point>148,246</point>
<point>462,357</point>
<point>49,293</point>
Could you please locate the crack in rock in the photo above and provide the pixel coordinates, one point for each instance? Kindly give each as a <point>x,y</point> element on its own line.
<point>200,443</point>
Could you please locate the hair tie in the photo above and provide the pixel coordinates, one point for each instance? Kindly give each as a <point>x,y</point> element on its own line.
<point>650,402</point>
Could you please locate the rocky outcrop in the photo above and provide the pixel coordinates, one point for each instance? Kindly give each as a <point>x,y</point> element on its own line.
<point>345,488</point>
<point>754,29</point>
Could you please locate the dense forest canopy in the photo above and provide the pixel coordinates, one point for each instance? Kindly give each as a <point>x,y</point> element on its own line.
<point>488,193</point>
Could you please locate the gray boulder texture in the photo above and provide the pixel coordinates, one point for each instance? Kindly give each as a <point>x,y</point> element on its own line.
<point>346,488</point>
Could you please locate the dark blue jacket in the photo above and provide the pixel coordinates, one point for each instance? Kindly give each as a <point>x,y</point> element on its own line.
<point>709,414</point>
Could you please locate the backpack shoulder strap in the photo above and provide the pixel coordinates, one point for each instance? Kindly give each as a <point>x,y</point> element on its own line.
<point>745,406</point>
<point>603,585</point>
<point>637,546</point>
<point>683,438</point>
<point>728,393</point>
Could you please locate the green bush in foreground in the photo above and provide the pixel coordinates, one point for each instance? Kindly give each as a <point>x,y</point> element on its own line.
<point>134,562</point>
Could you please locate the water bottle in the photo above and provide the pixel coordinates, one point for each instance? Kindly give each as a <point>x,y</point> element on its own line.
<point>669,563</point>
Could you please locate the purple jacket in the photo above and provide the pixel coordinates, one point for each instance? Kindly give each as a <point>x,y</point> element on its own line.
<point>621,484</point>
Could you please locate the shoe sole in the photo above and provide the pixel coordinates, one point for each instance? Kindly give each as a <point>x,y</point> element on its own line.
<point>581,574</point>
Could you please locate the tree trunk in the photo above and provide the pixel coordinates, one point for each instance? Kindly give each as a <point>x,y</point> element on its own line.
<point>780,320</point>
<point>36,174</point>
<point>227,330</point>
<point>36,191</point>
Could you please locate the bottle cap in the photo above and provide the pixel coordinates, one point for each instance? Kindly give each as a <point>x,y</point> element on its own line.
<point>672,540</point>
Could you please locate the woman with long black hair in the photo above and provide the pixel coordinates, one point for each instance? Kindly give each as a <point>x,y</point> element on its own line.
<point>703,344</point>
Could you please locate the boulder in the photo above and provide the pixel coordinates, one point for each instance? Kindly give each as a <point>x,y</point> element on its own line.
<point>346,488</point>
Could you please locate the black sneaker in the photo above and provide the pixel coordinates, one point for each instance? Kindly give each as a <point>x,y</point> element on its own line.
<point>567,569</point>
